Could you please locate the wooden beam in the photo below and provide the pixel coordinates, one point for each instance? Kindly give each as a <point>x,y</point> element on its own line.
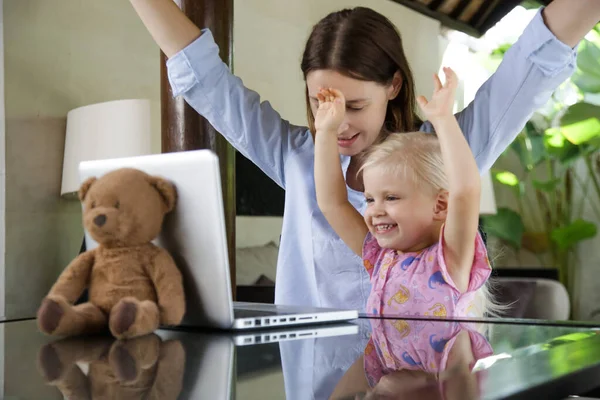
<point>475,23</point>
<point>184,129</point>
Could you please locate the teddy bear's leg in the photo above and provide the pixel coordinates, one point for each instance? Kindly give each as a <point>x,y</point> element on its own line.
<point>130,359</point>
<point>73,384</point>
<point>57,317</point>
<point>130,318</point>
<point>57,365</point>
<point>68,351</point>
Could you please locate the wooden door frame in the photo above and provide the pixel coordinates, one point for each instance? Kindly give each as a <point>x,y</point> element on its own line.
<point>182,128</point>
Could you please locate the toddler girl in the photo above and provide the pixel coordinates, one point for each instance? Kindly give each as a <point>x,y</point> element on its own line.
<point>419,236</point>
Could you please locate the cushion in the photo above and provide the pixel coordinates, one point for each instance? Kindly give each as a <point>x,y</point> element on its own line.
<point>256,264</point>
<point>515,294</point>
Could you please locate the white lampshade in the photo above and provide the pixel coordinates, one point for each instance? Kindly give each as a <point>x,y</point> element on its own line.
<point>112,129</point>
<point>487,204</point>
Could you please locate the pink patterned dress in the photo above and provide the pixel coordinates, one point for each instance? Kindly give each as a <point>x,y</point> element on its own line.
<point>418,283</point>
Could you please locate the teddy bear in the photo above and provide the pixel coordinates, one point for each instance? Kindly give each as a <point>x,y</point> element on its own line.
<point>133,285</point>
<point>100,367</point>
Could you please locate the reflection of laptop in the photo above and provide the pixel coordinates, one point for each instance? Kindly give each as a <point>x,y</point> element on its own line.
<point>294,333</point>
<point>194,234</point>
<point>211,370</point>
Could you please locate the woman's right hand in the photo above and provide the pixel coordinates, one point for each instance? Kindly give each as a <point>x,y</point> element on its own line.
<point>331,111</point>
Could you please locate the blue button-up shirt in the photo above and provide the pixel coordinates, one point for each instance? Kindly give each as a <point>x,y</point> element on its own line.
<point>314,266</point>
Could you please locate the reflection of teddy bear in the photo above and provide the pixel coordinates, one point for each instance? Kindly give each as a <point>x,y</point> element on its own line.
<point>140,368</point>
<point>134,286</point>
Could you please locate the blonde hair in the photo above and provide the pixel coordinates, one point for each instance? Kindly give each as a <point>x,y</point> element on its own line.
<point>418,157</point>
<point>414,155</point>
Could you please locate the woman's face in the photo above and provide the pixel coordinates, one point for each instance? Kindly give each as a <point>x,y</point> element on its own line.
<point>366,105</point>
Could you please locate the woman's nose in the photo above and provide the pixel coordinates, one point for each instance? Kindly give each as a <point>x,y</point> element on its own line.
<point>343,127</point>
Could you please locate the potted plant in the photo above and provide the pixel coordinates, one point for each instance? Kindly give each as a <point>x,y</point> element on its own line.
<point>558,174</point>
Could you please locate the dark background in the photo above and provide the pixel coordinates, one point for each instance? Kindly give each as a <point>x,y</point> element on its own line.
<point>256,193</point>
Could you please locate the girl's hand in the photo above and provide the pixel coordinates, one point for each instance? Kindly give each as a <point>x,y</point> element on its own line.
<point>442,100</point>
<point>331,111</point>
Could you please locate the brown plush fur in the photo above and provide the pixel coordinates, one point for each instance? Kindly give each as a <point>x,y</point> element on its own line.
<point>134,286</point>
<point>140,368</point>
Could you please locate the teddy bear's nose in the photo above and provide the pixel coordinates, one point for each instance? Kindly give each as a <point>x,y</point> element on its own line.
<point>100,220</point>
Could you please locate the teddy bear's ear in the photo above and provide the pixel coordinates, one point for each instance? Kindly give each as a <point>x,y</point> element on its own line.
<point>85,187</point>
<point>166,190</point>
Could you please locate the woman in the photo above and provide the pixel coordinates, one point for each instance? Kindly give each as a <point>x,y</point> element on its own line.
<point>358,52</point>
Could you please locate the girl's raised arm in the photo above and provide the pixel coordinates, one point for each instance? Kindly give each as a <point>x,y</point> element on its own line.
<point>464,183</point>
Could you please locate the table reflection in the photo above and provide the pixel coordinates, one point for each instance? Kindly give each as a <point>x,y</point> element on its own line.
<point>420,358</point>
<point>384,359</point>
<point>104,368</point>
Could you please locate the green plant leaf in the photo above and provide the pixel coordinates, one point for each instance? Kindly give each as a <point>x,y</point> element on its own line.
<point>558,147</point>
<point>529,146</point>
<point>506,225</point>
<point>506,178</point>
<point>581,122</point>
<point>509,179</point>
<point>499,51</point>
<point>587,74</point>
<point>530,4</point>
<point>567,236</point>
<point>546,186</point>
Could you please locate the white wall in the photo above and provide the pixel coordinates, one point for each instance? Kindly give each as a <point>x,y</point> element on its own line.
<point>64,54</point>
<point>60,55</point>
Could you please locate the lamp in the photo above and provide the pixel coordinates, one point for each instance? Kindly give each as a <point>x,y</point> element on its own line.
<point>487,203</point>
<point>111,129</point>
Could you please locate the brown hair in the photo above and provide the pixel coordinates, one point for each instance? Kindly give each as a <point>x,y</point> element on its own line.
<point>363,44</point>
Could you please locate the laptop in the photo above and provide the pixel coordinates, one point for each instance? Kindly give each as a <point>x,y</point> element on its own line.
<point>194,234</point>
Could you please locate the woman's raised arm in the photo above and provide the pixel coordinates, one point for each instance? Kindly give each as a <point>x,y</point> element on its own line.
<point>169,26</point>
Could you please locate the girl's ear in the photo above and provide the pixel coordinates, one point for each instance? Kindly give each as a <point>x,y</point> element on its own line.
<point>440,209</point>
<point>396,85</point>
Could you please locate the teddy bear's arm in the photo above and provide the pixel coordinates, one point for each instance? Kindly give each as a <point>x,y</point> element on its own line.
<point>75,278</point>
<point>168,283</point>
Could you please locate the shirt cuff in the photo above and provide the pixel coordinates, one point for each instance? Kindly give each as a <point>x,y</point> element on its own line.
<point>193,63</point>
<point>542,48</point>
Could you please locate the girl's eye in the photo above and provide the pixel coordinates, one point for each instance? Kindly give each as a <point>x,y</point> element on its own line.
<point>392,198</point>
<point>354,108</point>
<point>369,200</point>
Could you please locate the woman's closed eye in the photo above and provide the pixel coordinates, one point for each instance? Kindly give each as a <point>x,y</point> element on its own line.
<point>355,108</point>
